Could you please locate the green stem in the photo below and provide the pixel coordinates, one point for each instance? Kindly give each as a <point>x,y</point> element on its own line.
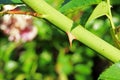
<point>96,43</point>
<point>113,33</point>
<point>81,34</point>
<point>110,15</point>
<point>41,7</point>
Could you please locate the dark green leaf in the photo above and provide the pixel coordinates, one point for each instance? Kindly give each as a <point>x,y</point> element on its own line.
<point>0,6</point>
<point>115,2</point>
<point>78,4</point>
<point>10,1</point>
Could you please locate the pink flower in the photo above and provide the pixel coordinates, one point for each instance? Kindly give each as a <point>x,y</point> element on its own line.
<point>18,27</point>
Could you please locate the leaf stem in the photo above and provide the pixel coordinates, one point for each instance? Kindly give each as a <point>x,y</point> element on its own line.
<point>113,32</point>
<point>110,15</point>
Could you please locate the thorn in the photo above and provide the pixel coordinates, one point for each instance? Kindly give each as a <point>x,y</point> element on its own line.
<point>71,38</point>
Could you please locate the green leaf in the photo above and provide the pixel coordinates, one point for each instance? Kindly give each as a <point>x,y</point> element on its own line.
<point>101,9</point>
<point>10,1</point>
<point>16,1</point>
<point>82,69</point>
<point>11,66</point>
<point>55,3</point>
<point>77,4</point>
<point>115,2</point>
<point>112,73</point>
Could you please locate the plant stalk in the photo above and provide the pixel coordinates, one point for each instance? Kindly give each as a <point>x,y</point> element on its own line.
<point>81,34</point>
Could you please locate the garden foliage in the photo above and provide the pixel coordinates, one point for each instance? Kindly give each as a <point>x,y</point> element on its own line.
<point>32,48</point>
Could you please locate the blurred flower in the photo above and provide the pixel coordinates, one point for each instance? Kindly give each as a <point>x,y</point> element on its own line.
<point>18,27</point>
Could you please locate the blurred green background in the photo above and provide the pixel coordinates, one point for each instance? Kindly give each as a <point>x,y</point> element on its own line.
<point>49,56</point>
